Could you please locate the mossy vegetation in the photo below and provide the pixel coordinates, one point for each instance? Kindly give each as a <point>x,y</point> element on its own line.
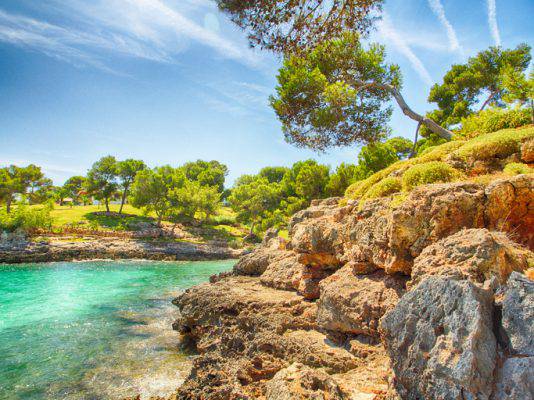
<point>430,172</point>
<point>440,163</point>
<point>385,187</point>
<point>517,169</point>
<point>500,144</point>
<point>492,120</point>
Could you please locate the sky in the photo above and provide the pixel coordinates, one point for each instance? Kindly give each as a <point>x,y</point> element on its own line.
<point>170,81</point>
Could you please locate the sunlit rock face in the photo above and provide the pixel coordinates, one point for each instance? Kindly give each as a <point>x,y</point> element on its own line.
<point>427,299</point>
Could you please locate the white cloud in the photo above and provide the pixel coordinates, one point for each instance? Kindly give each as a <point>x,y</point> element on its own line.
<point>146,29</point>
<point>492,21</point>
<point>439,11</point>
<point>389,34</point>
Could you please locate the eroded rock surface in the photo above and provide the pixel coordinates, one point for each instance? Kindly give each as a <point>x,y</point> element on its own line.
<point>327,315</point>
<point>474,254</point>
<point>354,304</point>
<point>440,341</point>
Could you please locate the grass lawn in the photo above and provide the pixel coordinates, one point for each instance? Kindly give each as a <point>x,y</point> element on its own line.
<point>221,226</point>
<point>67,215</point>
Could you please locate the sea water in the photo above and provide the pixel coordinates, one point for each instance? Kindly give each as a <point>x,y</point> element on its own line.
<point>93,330</point>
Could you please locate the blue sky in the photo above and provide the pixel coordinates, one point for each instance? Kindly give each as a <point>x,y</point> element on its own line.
<point>169,81</point>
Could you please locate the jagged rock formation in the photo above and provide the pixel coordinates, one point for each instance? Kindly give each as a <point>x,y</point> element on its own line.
<point>426,300</point>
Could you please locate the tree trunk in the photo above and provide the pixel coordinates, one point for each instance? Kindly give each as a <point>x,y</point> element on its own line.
<point>123,199</point>
<point>491,96</point>
<point>251,232</point>
<point>412,153</point>
<point>159,220</point>
<point>434,127</point>
<point>106,200</point>
<point>532,111</point>
<point>8,203</point>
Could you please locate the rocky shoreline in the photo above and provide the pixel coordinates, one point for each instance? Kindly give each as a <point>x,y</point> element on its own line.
<point>431,299</point>
<point>65,249</point>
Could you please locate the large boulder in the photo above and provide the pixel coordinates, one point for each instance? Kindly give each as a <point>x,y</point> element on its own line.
<point>354,304</point>
<point>440,341</point>
<point>298,382</point>
<point>474,254</point>
<point>256,262</point>
<point>515,380</point>
<point>429,214</point>
<point>510,207</point>
<point>518,315</point>
<point>283,273</point>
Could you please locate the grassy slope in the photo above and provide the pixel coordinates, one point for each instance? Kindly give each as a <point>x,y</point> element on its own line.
<point>498,145</point>
<point>222,226</point>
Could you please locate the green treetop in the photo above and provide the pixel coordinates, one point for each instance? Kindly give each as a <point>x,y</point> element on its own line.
<point>126,172</point>
<point>102,179</point>
<point>20,180</point>
<point>479,80</point>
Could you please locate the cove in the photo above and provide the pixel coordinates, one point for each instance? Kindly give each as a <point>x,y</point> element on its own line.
<point>93,330</point>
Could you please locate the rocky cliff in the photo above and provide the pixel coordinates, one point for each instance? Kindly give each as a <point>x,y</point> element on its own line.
<point>430,299</point>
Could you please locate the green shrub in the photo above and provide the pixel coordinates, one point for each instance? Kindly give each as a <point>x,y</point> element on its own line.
<point>431,172</point>
<point>438,153</point>
<point>517,169</point>
<point>493,119</point>
<point>26,218</point>
<point>385,187</point>
<point>358,189</point>
<point>498,144</point>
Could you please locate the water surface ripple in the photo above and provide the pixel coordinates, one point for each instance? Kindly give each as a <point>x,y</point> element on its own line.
<point>93,330</point>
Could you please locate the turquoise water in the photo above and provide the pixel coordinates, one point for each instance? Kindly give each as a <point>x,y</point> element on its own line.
<point>93,330</point>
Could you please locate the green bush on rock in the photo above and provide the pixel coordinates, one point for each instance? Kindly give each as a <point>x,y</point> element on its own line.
<point>517,169</point>
<point>431,172</point>
<point>492,120</point>
<point>500,144</point>
<point>385,187</point>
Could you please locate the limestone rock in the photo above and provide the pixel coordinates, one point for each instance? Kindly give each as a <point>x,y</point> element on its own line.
<point>256,262</point>
<point>515,380</point>
<point>527,151</point>
<point>298,382</point>
<point>510,207</point>
<point>440,341</point>
<point>518,315</point>
<point>354,304</point>
<point>474,254</point>
<point>283,273</point>
<point>429,214</point>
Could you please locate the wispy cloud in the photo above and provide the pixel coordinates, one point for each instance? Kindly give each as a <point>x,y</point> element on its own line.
<point>492,21</point>
<point>439,11</point>
<point>146,29</point>
<point>389,34</point>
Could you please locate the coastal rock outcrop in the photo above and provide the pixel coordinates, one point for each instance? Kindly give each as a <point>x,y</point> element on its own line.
<point>474,254</point>
<point>429,299</point>
<point>354,304</point>
<point>440,341</point>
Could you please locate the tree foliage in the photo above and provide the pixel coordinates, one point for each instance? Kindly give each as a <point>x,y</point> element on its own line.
<point>326,97</point>
<point>479,80</point>
<point>207,173</point>
<point>102,179</point>
<point>152,190</point>
<point>288,26</point>
<point>20,180</point>
<point>126,172</point>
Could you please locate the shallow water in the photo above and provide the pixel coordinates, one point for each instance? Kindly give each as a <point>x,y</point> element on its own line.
<point>93,330</point>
